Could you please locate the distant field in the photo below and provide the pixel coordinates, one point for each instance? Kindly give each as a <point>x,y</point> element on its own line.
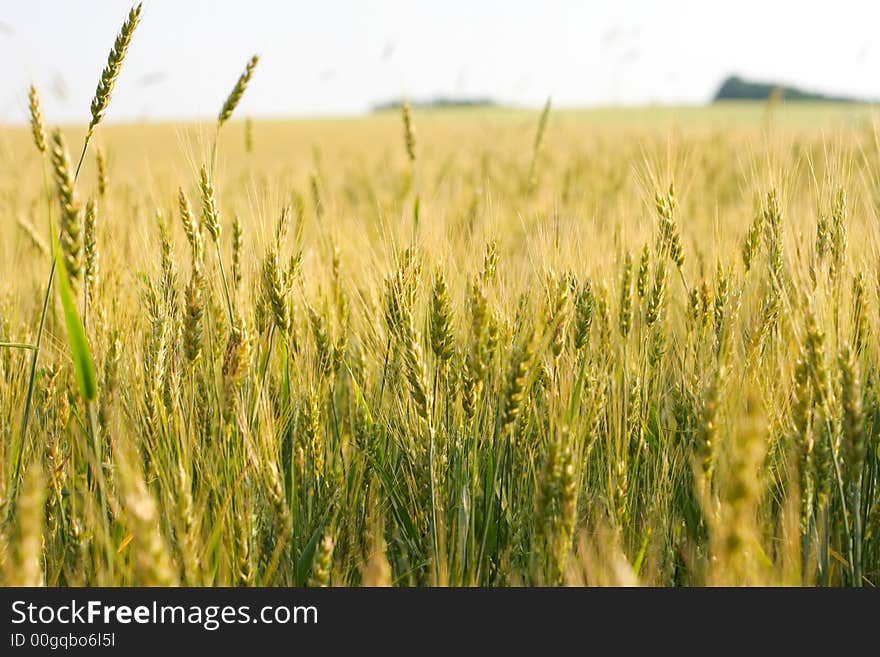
<point>721,115</point>
<point>289,143</point>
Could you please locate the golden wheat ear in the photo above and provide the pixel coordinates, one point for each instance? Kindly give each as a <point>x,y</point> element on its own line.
<point>71,221</point>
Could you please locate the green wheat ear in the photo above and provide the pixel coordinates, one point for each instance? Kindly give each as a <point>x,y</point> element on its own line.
<point>539,138</point>
<point>114,65</point>
<point>409,132</point>
<point>237,92</point>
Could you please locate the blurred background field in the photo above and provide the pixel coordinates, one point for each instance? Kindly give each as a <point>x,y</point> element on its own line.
<point>594,170</point>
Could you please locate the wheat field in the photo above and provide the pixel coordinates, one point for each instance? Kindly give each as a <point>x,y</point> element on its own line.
<point>469,348</point>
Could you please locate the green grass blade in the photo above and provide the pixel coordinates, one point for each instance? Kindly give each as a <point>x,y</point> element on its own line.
<point>76,335</point>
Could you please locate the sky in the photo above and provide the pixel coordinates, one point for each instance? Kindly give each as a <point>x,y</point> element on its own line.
<point>339,57</point>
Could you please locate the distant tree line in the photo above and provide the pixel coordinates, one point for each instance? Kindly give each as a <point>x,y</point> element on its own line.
<point>437,103</point>
<point>736,88</point>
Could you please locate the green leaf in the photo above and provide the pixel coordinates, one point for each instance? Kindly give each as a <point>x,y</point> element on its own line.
<point>640,558</point>
<point>76,335</point>
<point>304,563</point>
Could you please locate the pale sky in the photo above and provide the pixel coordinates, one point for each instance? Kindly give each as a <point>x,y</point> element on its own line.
<point>341,56</point>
